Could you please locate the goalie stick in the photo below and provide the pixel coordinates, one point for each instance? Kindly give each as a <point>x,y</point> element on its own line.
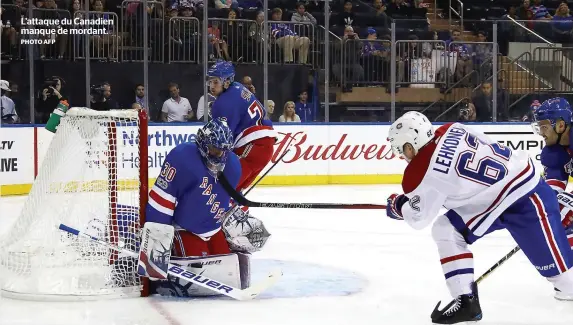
<point>242,200</point>
<point>200,280</point>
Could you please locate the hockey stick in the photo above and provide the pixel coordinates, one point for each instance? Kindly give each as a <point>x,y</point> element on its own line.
<point>200,280</point>
<point>238,197</point>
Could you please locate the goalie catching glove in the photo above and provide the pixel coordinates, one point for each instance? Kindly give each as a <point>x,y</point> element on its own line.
<point>244,232</point>
<point>155,251</point>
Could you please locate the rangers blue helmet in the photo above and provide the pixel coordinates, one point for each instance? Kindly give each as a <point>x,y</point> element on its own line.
<point>553,110</point>
<point>223,70</point>
<point>216,134</point>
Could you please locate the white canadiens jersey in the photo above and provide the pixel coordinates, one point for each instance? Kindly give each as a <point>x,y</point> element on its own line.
<point>466,171</point>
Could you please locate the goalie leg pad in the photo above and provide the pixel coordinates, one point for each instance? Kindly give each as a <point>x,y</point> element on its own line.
<point>156,239</point>
<point>230,269</point>
<point>187,244</point>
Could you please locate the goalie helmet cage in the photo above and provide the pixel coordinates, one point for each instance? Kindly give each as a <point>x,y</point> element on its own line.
<point>93,178</point>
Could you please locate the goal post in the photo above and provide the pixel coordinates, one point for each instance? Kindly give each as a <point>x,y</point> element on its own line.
<point>93,178</point>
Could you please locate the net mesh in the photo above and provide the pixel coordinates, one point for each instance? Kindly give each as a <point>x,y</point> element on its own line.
<point>89,180</point>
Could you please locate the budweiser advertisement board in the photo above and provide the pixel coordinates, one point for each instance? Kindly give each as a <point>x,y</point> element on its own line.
<point>313,150</point>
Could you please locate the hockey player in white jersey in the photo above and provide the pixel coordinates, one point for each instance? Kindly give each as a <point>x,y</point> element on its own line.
<point>485,187</point>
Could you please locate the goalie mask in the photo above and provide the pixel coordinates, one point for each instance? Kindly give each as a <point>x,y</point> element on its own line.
<point>244,232</point>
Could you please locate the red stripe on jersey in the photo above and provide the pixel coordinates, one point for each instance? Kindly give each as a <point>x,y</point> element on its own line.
<point>456,257</point>
<point>416,169</point>
<point>557,183</point>
<point>161,201</point>
<point>255,128</point>
<point>548,233</point>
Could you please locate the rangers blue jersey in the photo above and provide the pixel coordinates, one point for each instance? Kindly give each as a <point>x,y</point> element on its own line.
<point>557,161</point>
<point>186,195</point>
<point>244,113</point>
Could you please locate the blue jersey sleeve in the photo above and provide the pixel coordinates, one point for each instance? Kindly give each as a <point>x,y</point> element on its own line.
<point>173,182</point>
<point>227,108</point>
<point>557,167</point>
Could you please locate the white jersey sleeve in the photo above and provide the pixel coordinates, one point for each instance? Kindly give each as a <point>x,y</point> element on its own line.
<point>464,170</point>
<point>423,206</point>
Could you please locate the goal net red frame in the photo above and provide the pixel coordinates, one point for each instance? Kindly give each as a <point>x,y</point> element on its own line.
<point>94,177</point>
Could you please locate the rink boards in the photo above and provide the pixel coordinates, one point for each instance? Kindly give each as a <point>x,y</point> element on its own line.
<point>319,153</point>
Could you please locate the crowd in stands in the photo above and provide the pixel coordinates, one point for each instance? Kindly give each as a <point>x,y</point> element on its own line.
<point>360,36</point>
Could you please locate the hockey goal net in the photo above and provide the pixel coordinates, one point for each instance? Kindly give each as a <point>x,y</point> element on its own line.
<point>90,179</point>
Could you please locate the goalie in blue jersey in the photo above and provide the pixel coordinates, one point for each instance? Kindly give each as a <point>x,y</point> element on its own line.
<point>189,221</point>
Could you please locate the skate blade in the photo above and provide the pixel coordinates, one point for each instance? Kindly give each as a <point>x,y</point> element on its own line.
<point>462,323</point>
<point>563,298</point>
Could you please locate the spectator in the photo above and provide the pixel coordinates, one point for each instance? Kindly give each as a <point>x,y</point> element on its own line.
<point>509,32</point>
<point>248,82</point>
<point>346,18</point>
<point>563,24</point>
<point>270,109</point>
<point>383,19</point>
<point>483,102</point>
<point>399,7</point>
<point>100,98</point>
<point>511,12</point>
<point>467,112</point>
<point>257,38</point>
<point>52,12</point>
<point>218,48</point>
<point>289,114</point>
<point>176,108</point>
<point>140,94</point>
<point>528,116</point>
<point>288,40</point>
<point>408,70</point>
<point>226,4</point>
<point>106,44</point>
<point>374,57</point>
<point>483,58</point>
<point>49,98</point>
<point>304,109</point>
<point>8,113</point>
<point>529,19</point>
<point>232,33</point>
<point>20,101</point>
<point>250,4</point>
<point>11,23</point>
<point>187,8</point>
<point>112,103</point>
<point>540,12</point>
<point>348,70</point>
<point>201,106</point>
<point>464,64</point>
<point>140,97</point>
<point>301,15</point>
<point>523,9</point>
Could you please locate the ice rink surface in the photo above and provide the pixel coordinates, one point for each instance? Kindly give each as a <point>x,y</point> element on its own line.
<point>340,267</point>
